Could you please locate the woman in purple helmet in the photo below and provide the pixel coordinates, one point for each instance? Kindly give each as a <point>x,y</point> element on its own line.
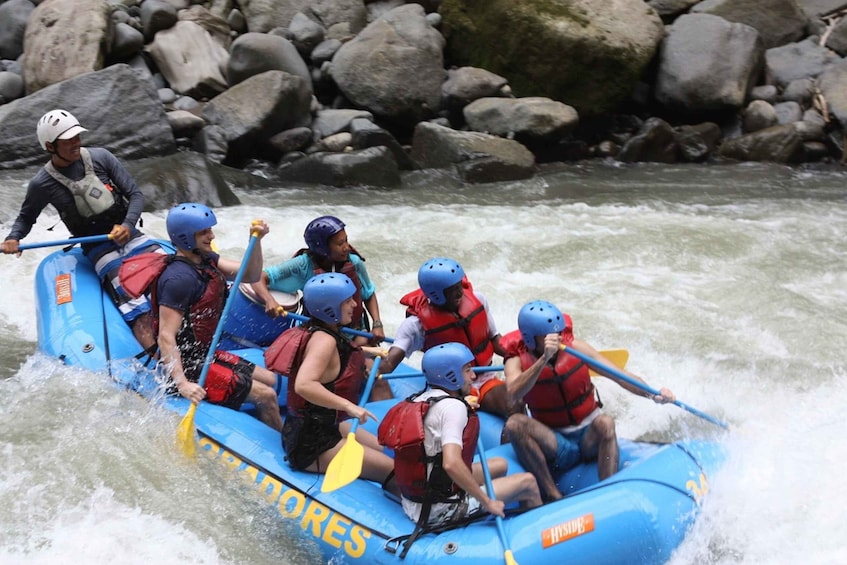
<point>328,251</point>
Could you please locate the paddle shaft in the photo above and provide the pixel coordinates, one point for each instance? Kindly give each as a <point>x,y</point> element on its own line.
<point>638,384</point>
<point>489,486</point>
<point>71,241</point>
<point>619,357</point>
<point>351,331</point>
<point>367,392</point>
<point>216,338</point>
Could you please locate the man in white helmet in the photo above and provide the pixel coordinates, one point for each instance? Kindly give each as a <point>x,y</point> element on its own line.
<point>94,195</point>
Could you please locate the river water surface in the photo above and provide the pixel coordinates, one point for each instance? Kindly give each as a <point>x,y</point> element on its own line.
<point>726,284</point>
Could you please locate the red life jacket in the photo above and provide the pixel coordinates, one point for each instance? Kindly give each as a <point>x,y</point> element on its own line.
<point>563,395</point>
<point>194,337</point>
<point>286,353</point>
<point>469,326</point>
<point>402,429</point>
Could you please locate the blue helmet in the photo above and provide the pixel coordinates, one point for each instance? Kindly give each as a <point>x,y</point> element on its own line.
<point>185,220</point>
<point>319,231</point>
<point>539,317</point>
<point>437,275</point>
<point>323,295</point>
<point>443,365</point>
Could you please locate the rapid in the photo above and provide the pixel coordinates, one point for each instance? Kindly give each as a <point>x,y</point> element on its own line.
<point>727,284</point>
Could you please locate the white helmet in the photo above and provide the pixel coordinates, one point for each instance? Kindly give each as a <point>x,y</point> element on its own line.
<point>57,124</point>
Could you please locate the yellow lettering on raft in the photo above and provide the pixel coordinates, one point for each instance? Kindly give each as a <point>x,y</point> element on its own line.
<point>699,489</point>
<point>337,525</point>
<point>316,513</point>
<point>317,519</point>
<point>299,503</point>
<point>357,544</point>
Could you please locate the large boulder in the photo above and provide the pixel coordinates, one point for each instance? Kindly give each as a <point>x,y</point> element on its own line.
<point>394,67</point>
<point>261,106</point>
<point>120,109</point>
<point>708,64</point>
<point>191,59</point>
<point>476,157</point>
<point>264,15</point>
<point>64,39</point>
<point>585,53</point>
<point>374,166</point>
<point>182,177</point>
<point>777,21</point>
<point>255,53</point>
<point>13,18</point>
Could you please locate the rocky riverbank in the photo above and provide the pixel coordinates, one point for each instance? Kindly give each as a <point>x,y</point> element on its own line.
<point>353,92</point>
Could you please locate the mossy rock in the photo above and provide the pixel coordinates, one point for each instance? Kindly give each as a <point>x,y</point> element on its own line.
<point>586,53</point>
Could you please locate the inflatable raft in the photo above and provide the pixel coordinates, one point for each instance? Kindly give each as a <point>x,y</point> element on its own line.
<point>639,515</point>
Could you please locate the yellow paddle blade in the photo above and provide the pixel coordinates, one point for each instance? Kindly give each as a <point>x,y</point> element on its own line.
<point>346,466</point>
<point>510,559</point>
<point>185,435</point>
<point>618,357</point>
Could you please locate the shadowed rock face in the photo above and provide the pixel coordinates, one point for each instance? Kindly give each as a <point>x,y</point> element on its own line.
<point>586,54</point>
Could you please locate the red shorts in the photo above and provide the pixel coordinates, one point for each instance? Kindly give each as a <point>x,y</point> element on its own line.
<point>229,380</point>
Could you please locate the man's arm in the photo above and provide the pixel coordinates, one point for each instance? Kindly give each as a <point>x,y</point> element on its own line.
<point>455,467</point>
<point>519,382</point>
<point>410,338</point>
<point>254,263</point>
<point>170,321</point>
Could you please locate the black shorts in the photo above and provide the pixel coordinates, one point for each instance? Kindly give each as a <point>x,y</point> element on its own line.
<point>304,439</point>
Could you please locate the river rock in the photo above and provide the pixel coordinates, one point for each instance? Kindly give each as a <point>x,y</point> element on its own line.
<point>156,16</point>
<point>655,142</point>
<point>777,21</point>
<point>758,115</point>
<point>466,84</point>
<point>529,120</point>
<point>585,53</point>
<point>351,15</point>
<point>779,144</point>
<point>254,53</point>
<point>804,59</point>
<point>477,157</point>
<point>833,86</point>
<point>264,15</point>
<point>191,59</point>
<point>252,111</point>
<point>394,67</point>
<point>13,18</point>
<point>374,166</point>
<point>120,109</point>
<point>64,39</point>
<point>707,64</point>
<point>185,176</point>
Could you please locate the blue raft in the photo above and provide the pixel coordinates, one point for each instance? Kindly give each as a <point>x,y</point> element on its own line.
<point>639,515</point>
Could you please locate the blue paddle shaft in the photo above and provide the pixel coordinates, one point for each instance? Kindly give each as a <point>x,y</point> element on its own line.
<point>351,331</point>
<point>366,394</point>
<point>489,486</point>
<point>71,241</point>
<point>210,355</point>
<point>611,370</point>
